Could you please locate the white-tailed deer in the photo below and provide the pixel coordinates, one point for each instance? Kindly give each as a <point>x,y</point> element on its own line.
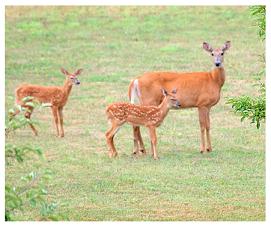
<point>197,89</point>
<point>137,115</point>
<point>54,96</point>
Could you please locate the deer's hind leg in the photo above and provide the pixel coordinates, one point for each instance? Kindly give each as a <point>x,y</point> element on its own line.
<point>138,142</point>
<point>110,138</point>
<point>55,115</point>
<point>27,115</point>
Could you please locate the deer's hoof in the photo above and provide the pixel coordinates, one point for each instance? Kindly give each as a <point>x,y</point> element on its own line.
<point>202,149</point>
<point>143,151</point>
<point>112,155</point>
<point>209,149</point>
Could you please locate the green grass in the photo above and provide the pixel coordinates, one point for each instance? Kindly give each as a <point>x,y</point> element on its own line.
<point>114,45</point>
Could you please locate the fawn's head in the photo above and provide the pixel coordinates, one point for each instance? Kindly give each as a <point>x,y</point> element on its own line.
<point>72,78</point>
<point>171,99</point>
<point>218,53</point>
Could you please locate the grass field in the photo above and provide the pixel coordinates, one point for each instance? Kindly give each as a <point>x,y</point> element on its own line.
<point>114,45</point>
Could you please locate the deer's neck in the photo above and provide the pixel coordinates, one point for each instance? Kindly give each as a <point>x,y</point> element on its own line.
<point>164,108</point>
<point>67,87</point>
<point>218,75</point>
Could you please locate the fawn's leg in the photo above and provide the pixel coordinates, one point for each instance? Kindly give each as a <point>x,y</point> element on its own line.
<point>153,137</point>
<point>202,120</point>
<point>208,125</point>
<point>12,115</point>
<point>55,115</point>
<point>27,115</point>
<point>60,113</point>
<point>110,139</point>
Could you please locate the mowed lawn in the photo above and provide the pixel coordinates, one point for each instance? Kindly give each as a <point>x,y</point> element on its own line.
<point>114,45</point>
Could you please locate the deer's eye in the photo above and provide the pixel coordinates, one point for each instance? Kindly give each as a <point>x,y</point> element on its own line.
<point>212,54</point>
<point>222,53</point>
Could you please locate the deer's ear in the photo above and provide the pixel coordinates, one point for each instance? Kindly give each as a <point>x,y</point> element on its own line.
<point>174,91</point>
<point>78,71</point>
<point>64,71</point>
<point>164,92</point>
<point>226,46</point>
<point>207,47</point>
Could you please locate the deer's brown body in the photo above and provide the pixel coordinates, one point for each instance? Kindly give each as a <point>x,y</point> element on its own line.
<point>54,96</point>
<point>198,89</point>
<point>138,115</point>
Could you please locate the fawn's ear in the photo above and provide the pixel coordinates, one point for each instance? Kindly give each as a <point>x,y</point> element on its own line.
<point>207,47</point>
<point>64,71</point>
<point>174,91</point>
<point>78,71</point>
<point>164,92</point>
<point>226,46</point>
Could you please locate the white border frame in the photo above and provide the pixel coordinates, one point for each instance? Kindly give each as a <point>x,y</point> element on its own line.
<point>139,2</point>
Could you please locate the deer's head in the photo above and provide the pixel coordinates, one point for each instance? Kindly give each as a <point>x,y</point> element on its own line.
<point>171,99</point>
<point>218,53</point>
<point>72,78</point>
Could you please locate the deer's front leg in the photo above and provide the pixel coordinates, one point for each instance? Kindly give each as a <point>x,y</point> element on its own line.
<point>55,115</point>
<point>202,122</point>
<point>208,125</point>
<point>60,113</point>
<point>153,137</point>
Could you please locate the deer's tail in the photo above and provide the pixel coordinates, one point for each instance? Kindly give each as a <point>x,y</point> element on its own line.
<point>134,92</point>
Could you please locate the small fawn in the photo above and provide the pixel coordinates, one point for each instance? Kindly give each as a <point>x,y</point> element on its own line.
<point>56,96</point>
<point>136,115</point>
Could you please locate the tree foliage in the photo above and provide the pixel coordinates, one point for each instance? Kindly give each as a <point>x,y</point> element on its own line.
<point>253,108</point>
<point>258,12</point>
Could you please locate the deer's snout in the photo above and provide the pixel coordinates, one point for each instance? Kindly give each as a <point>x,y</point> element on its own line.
<point>217,64</point>
<point>178,104</point>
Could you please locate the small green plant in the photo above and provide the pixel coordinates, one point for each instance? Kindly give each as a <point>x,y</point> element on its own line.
<point>30,189</point>
<point>252,108</point>
<point>15,121</point>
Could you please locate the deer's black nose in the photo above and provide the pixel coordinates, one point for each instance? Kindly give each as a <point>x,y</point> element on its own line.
<point>217,64</point>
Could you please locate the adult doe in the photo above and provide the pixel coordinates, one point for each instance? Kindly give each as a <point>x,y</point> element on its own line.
<point>198,89</point>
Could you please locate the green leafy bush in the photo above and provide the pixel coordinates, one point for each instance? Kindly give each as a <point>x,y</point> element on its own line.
<point>248,107</point>
<point>30,189</point>
<point>252,108</point>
